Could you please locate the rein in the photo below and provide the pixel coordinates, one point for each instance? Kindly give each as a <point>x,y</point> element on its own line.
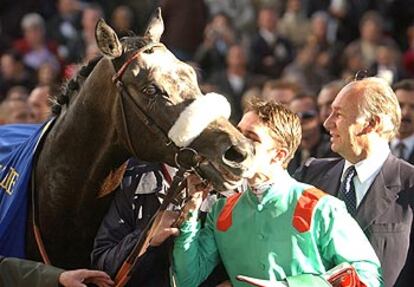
<point>176,185</point>
<point>125,271</point>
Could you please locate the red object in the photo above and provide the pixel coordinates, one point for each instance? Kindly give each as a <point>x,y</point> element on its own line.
<point>225,219</point>
<point>345,277</point>
<point>302,217</point>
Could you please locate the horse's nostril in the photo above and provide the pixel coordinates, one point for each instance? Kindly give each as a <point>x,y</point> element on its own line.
<point>235,155</point>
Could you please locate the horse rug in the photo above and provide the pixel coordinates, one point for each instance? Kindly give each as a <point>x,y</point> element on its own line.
<point>18,144</point>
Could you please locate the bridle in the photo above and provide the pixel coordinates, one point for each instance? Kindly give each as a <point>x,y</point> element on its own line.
<point>187,160</point>
<point>181,153</point>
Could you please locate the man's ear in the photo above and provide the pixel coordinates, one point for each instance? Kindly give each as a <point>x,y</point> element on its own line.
<point>280,155</point>
<point>372,124</point>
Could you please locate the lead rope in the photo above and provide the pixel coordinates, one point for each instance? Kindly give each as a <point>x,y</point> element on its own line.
<point>124,273</point>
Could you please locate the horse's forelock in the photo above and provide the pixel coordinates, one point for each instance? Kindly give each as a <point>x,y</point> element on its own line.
<point>131,44</point>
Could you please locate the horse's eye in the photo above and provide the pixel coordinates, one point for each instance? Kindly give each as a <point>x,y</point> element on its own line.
<point>149,51</point>
<point>150,90</point>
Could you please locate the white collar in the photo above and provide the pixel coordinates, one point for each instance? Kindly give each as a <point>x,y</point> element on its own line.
<point>369,166</point>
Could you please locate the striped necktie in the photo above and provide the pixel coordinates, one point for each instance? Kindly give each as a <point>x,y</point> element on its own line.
<point>347,190</point>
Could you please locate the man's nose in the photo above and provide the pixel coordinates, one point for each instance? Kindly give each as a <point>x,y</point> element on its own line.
<point>327,123</point>
<point>405,110</point>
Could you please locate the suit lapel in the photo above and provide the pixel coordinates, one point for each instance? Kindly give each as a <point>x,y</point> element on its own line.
<point>381,193</point>
<point>331,180</point>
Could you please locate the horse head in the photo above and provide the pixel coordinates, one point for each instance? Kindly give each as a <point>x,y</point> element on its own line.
<point>162,105</point>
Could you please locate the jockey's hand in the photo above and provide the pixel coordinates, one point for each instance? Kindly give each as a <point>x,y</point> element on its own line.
<point>164,229</point>
<point>198,191</point>
<point>81,277</point>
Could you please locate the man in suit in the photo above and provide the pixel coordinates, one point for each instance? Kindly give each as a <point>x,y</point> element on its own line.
<point>403,144</point>
<point>376,186</point>
<point>270,52</point>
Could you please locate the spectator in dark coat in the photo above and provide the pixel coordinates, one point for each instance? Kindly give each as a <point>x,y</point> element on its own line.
<point>134,204</point>
<point>314,142</point>
<point>270,52</point>
<point>235,80</point>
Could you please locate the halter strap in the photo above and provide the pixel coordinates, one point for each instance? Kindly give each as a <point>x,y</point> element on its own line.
<point>145,118</point>
<point>117,77</point>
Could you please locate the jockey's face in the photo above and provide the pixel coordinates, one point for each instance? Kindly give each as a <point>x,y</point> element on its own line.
<point>267,152</point>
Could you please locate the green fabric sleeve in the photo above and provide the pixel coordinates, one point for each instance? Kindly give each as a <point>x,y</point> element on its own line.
<point>195,253</point>
<point>342,240</point>
<point>22,273</point>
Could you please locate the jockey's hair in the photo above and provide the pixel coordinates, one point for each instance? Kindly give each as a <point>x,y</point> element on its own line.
<point>73,86</point>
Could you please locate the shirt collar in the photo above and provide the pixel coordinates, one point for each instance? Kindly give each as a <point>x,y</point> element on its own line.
<point>276,189</point>
<point>367,167</point>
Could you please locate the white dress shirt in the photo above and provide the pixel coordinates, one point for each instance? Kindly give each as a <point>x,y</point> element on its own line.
<point>368,169</point>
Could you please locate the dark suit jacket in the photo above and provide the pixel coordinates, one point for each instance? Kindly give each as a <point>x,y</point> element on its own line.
<point>385,213</point>
<point>282,50</point>
<point>411,158</point>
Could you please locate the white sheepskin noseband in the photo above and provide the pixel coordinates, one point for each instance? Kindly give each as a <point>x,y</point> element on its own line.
<point>197,116</point>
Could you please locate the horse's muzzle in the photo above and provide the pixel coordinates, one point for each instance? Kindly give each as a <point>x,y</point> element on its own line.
<point>238,156</point>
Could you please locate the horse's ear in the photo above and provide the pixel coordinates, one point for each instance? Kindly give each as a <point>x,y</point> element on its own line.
<point>155,27</point>
<point>107,40</point>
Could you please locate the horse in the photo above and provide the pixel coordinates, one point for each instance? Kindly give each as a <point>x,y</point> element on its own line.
<point>137,100</point>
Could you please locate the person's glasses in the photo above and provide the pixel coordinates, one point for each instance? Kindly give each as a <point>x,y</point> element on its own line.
<point>361,74</point>
<point>307,115</point>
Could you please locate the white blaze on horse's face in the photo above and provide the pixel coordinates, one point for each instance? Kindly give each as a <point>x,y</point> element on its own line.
<point>197,116</point>
<point>162,62</point>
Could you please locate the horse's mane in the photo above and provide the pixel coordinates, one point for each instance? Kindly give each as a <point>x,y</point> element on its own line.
<point>73,86</point>
<point>70,88</point>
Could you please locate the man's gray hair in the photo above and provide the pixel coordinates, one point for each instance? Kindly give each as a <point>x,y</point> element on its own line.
<point>380,100</point>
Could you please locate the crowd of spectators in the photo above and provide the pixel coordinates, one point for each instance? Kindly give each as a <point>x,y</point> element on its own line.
<point>272,49</point>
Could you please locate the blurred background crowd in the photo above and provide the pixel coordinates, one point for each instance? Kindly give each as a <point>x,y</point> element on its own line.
<point>298,52</point>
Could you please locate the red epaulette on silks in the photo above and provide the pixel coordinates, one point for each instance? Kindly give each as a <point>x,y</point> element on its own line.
<point>302,217</point>
<point>225,218</point>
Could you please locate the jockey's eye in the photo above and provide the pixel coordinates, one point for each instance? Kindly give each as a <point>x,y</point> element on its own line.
<point>150,90</point>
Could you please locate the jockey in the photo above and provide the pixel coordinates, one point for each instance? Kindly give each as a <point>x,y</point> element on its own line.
<point>280,232</point>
